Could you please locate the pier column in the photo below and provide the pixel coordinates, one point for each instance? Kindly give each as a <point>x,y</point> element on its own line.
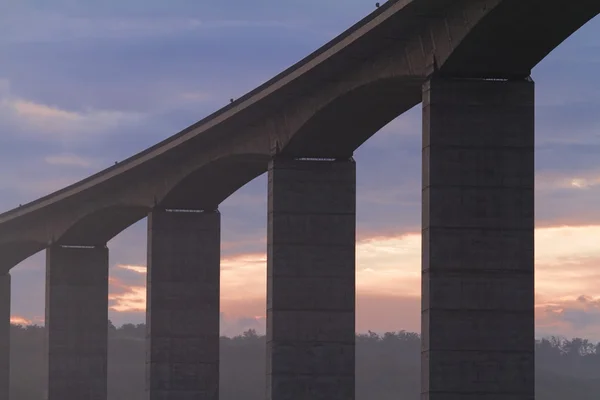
<point>183,304</point>
<point>478,248</point>
<point>4,335</point>
<point>311,279</point>
<point>77,321</point>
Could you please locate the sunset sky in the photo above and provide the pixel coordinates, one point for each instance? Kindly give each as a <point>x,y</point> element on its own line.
<point>86,83</point>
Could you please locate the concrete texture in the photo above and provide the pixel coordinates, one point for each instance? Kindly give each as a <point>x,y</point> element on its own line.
<point>311,280</point>
<point>478,230</point>
<point>4,335</point>
<point>77,322</point>
<point>183,305</point>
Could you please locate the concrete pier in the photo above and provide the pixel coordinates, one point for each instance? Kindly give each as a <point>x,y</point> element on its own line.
<point>478,231</point>
<point>183,304</point>
<point>311,280</point>
<point>77,322</point>
<point>4,335</point>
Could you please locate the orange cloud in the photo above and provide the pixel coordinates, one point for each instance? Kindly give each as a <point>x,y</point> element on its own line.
<point>140,269</point>
<point>569,316</point>
<point>50,120</point>
<point>33,110</point>
<point>18,320</point>
<point>389,266</point>
<point>125,297</point>
<point>567,260</point>
<point>132,300</point>
<point>243,277</point>
<point>388,282</point>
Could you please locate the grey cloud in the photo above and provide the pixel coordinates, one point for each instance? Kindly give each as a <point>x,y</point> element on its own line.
<point>234,9</point>
<point>579,314</point>
<point>231,326</point>
<point>581,319</point>
<point>125,278</point>
<point>121,318</point>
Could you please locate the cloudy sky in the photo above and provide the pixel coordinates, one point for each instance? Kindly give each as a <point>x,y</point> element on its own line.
<point>86,83</point>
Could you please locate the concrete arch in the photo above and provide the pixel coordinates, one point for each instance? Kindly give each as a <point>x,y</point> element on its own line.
<point>514,36</point>
<point>342,125</point>
<point>99,226</point>
<point>12,254</point>
<point>207,186</point>
<point>324,106</point>
<point>481,39</point>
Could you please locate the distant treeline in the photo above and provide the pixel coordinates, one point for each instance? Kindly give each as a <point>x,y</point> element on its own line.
<point>387,366</point>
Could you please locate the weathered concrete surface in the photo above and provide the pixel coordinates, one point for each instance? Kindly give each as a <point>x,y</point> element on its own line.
<point>77,322</point>
<point>4,335</point>
<point>183,305</point>
<point>478,230</point>
<point>311,280</point>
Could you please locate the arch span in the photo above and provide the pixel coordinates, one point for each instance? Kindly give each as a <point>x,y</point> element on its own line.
<point>100,226</point>
<point>207,186</point>
<point>346,122</point>
<point>514,36</point>
<point>473,38</point>
<point>12,254</point>
<point>502,39</point>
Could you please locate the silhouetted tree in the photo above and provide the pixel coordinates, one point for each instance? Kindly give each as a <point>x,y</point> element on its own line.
<point>387,365</point>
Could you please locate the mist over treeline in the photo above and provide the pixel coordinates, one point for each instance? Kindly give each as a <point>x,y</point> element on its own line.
<point>387,366</point>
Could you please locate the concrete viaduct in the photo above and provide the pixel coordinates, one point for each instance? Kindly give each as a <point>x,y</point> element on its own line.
<point>469,63</point>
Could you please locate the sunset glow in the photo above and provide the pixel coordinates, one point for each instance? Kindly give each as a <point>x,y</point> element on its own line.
<point>116,90</point>
<point>17,320</point>
<point>388,272</point>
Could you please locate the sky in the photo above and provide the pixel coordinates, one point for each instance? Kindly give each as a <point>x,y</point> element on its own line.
<point>86,83</point>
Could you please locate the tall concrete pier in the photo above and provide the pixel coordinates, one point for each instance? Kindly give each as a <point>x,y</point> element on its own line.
<point>478,228</point>
<point>4,335</point>
<point>310,280</point>
<point>183,304</point>
<point>77,322</point>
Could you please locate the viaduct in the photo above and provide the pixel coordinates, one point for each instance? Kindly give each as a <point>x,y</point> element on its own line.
<point>468,62</point>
